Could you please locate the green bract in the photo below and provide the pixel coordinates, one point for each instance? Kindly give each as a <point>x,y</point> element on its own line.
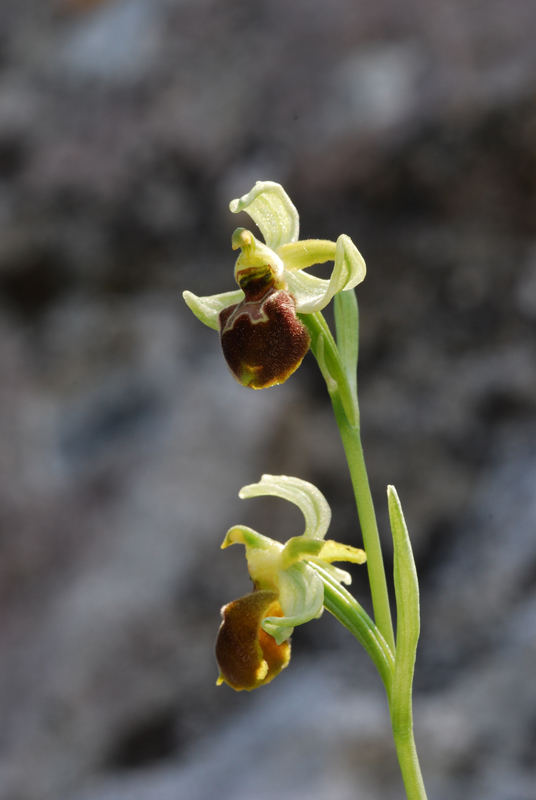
<point>277,218</point>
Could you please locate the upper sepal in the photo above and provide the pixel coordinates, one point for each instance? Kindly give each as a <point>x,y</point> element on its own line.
<point>311,502</point>
<point>274,212</point>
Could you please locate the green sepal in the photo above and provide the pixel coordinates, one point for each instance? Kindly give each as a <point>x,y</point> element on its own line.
<point>263,555</point>
<point>207,309</point>
<point>308,498</point>
<point>241,534</point>
<point>273,211</point>
<point>301,597</point>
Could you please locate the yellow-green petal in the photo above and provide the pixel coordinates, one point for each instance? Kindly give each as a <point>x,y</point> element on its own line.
<point>337,574</point>
<point>274,212</point>
<point>298,548</point>
<point>306,252</point>
<point>335,551</point>
<point>313,294</point>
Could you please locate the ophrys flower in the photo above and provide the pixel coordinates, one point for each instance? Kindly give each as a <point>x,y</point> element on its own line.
<point>252,645</point>
<point>263,338</point>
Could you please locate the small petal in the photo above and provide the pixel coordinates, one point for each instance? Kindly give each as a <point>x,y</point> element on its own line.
<point>247,656</point>
<point>272,209</point>
<point>335,551</point>
<point>298,548</point>
<point>308,498</point>
<point>208,309</point>
<point>305,253</point>
<point>301,596</point>
<point>313,294</point>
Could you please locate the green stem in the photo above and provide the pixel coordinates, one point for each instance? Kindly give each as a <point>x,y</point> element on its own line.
<point>407,755</point>
<point>338,369</point>
<point>350,613</point>
<point>347,416</point>
<point>351,440</point>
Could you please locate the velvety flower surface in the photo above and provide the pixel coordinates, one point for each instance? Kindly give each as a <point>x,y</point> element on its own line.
<point>252,645</point>
<point>263,339</point>
<point>250,657</point>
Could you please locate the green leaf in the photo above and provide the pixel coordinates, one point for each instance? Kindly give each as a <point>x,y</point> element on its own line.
<point>347,327</point>
<point>408,618</point>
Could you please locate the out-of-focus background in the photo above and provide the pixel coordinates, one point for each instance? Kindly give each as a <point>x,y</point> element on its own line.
<point>126,127</point>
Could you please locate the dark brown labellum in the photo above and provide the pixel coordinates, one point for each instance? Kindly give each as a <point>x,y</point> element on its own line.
<point>263,340</point>
<point>247,656</point>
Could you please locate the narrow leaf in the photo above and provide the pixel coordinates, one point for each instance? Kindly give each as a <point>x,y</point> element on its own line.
<point>347,327</point>
<point>408,621</point>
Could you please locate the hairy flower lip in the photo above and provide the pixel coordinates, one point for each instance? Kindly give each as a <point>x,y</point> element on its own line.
<point>247,656</point>
<point>263,340</point>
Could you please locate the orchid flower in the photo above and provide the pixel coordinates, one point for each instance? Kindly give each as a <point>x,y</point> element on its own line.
<point>253,641</point>
<point>263,339</point>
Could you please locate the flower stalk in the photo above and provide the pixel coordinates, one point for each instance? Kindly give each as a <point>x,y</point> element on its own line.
<point>394,664</point>
<point>342,388</point>
<point>266,327</point>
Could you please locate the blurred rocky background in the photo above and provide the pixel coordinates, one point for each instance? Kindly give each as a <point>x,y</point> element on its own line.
<point>126,127</point>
